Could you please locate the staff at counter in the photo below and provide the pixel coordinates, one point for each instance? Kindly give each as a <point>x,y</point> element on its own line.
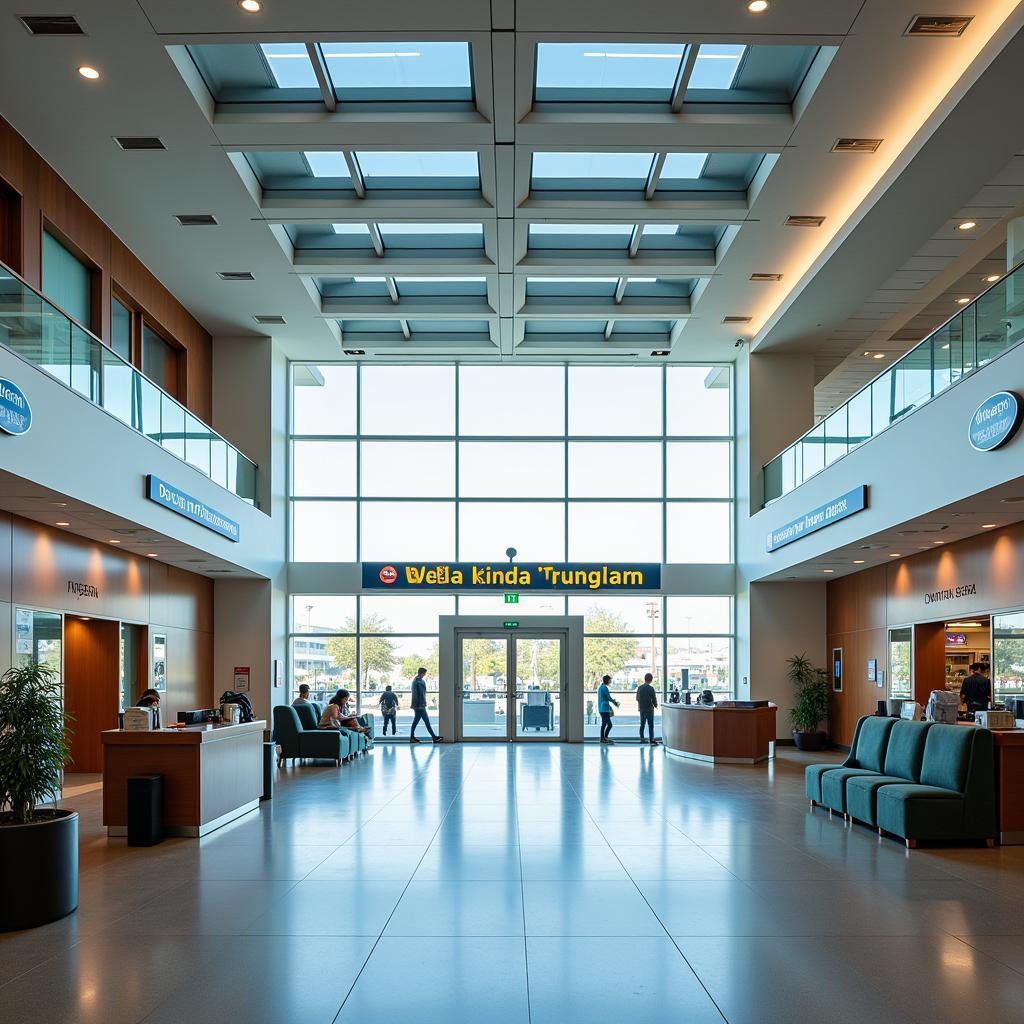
<point>728,732</point>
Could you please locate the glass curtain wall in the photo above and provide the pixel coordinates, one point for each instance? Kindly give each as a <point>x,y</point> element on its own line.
<point>1008,654</point>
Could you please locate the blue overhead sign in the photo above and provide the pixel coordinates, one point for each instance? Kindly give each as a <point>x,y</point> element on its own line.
<point>561,576</point>
<point>995,421</point>
<point>192,508</point>
<point>824,515</point>
<point>15,412</point>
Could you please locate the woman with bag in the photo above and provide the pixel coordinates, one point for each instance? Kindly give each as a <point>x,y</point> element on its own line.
<point>605,700</point>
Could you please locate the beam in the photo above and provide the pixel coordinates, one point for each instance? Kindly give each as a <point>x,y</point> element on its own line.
<point>316,58</point>
<point>683,78</point>
<point>608,328</point>
<point>376,239</point>
<point>620,290</point>
<point>634,240</point>
<point>655,176</point>
<point>404,324</point>
<point>357,175</point>
<point>392,288</point>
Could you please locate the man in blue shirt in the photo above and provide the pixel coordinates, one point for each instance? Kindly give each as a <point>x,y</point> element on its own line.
<point>419,707</point>
<point>605,700</point>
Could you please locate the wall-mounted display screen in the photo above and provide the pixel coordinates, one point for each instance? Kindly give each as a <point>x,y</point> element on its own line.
<point>956,639</point>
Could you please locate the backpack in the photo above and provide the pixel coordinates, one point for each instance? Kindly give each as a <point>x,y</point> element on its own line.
<point>242,700</point>
<point>942,706</point>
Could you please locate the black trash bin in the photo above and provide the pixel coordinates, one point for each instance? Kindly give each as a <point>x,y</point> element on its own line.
<point>145,810</point>
<point>269,764</point>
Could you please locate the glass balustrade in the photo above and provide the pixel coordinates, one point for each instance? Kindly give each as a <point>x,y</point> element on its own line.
<point>42,335</point>
<point>991,324</point>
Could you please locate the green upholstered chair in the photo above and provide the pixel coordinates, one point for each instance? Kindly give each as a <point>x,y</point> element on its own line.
<point>814,773</point>
<point>297,742</point>
<point>955,798</point>
<point>356,740</point>
<point>866,758</point>
<point>903,758</point>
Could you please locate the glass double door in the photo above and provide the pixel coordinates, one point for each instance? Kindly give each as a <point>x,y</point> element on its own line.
<point>512,686</point>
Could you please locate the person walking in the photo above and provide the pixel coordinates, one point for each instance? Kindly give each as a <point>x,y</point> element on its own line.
<point>647,701</point>
<point>419,707</point>
<point>389,708</point>
<point>605,700</point>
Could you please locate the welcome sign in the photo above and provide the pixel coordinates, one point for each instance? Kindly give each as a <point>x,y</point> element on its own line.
<point>192,508</point>
<point>995,421</point>
<point>824,515</point>
<point>560,576</point>
<point>15,412</point>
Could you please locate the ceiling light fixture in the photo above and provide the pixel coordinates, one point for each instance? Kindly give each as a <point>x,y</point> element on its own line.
<point>114,541</point>
<point>152,554</point>
<point>963,300</point>
<point>757,6</point>
<point>87,71</point>
<point>858,561</point>
<point>990,278</point>
<point>989,526</point>
<point>62,524</point>
<point>896,554</point>
<point>966,225</point>
<point>878,355</point>
<point>250,6</point>
<point>828,570</point>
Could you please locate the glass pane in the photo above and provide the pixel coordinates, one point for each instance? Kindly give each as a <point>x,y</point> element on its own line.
<point>538,687</point>
<point>882,402</point>
<point>407,469</point>
<point>626,660</point>
<point>995,330</point>
<point>172,422</point>
<point>313,613</point>
<point>67,282</point>
<point>836,443</point>
<point>117,387</point>
<point>1008,652</point>
<point>614,470</point>
<point>505,469</point>
<point>392,70</point>
<point>630,71</point>
<point>699,532</point>
<point>698,469</point>
<point>85,364</point>
<point>55,343</point>
<point>913,379</point>
<point>324,531</point>
<point>389,660</point>
<point>197,444</point>
<point>716,65</point>
<point>241,475</point>
<point>218,460</point>
<point>412,400</point>
<point>494,604</point>
<point>620,401</point>
<point>698,401</point>
<point>324,664</point>
<point>615,532</point>
<point>536,530</point>
<point>484,688</point>
<point>148,401</point>
<point>900,662</point>
<point>859,422</point>
<point>812,450</point>
<point>405,531</point>
<point>682,167</point>
<point>700,663</point>
<point>700,614</point>
<point>290,65</point>
<point>323,399</point>
<point>326,468</point>
<point>604,614</point>
<point>423,170</point>
<point>121,330</point>
<point>39,636</point>
<point>536,408</point>
<point>159,360</point>
<point>416,613</point>
<point>609,171</point>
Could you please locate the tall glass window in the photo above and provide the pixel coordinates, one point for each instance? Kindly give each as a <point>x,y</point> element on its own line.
<point>67,281</point>
<point>1008,653</point>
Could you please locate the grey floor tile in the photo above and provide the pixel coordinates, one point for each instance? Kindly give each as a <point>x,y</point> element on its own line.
<point>587,907</point>
<point>329,907</point>
<point>466,908</point>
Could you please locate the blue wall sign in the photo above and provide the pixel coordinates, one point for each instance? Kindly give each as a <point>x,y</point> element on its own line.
<point>995,421</point>
<point>15,412</point>
<point>824,515</point>
<point>185,505</point>
<point>558,576</point>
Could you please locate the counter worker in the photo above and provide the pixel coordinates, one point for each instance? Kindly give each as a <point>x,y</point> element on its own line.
<point>976,689</point>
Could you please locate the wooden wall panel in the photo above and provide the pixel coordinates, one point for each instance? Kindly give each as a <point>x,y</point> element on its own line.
<point>5,557</point>
<point>190,682</point>
<point>859,697</point>
<point>179,598</point>
<point>91,687</point>
<point>929,659</point>
<point>47,198</point>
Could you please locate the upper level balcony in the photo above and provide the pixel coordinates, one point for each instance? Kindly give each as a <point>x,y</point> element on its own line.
<point>982,330</point>
<point>43,335</point>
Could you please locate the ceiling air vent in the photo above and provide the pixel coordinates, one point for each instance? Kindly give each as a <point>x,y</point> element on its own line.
<point>797,220</point>
<point>660,352</point>
<point>354,352</point>
<point>856,145</point>
<point>938,25</point>
<point>270,319</point>
<point>235,275</point>
<point>736,319</point>
<point>765,277</point>
<point>52,25</point>
<point>195,220</point>
<point>133,143</point>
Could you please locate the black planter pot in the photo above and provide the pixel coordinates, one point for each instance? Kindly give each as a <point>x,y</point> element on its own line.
<point>38,870</point>
<point>810,740</point>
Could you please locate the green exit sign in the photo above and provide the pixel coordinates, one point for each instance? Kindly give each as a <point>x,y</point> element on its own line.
<point>510,624</point>
<point>511,599</point>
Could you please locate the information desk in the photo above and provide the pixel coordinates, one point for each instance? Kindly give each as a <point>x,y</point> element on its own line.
<point>723,735</point>
<point>1009,744</point>
<point>211,776</point>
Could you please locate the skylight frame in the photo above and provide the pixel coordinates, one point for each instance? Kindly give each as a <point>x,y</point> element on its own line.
<point>584,182</point>
<point>335,62</point>
<point>662,57</point>
<point>427,181</point>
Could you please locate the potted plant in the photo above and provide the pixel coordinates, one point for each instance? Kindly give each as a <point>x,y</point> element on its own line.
<point>38,845</point>
<point>810,696</point>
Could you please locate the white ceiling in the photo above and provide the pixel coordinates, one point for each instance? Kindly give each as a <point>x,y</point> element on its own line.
<point>879,84</point>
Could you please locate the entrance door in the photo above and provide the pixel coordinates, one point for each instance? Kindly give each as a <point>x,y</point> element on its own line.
<point>510,680</point>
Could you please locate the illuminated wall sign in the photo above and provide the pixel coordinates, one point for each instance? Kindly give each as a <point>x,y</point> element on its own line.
<point>185,505</point>
<point>824,515</point>
<point>15,412</point>
<point>488,576</point>
<point>995,421</point>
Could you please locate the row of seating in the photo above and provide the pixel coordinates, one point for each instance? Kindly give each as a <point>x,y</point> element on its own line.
<point>297,735</point>
<point>915,780</point>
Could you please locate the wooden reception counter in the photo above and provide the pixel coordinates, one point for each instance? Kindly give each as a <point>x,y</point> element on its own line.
<point>719,733</point>
<point>211,776</point>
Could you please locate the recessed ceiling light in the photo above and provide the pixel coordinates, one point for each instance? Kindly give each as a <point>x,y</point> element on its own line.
<point>828,570</point>
<point>938,542</point>
<point>989,526</point>
<point>87,71</point>
<point>858,561</point>
<point>250,6</point>
<point>59,504</point>
<point>114,541</point>
<point>757,6</point>
<point>63,524</point>
<point>84,618</point>
<point>152,554</point>
<point>878,355</point>
<point>963,300</point>
<point>990,278</point>
<point>895,554</point>
<point>966,225</point>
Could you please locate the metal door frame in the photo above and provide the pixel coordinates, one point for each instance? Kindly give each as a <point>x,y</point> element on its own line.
<point>567,628</point>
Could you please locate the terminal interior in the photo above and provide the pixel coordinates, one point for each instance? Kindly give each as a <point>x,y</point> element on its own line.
<point>511,510</point>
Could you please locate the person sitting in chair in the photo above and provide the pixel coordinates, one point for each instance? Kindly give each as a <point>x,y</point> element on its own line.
<point>339,715</point>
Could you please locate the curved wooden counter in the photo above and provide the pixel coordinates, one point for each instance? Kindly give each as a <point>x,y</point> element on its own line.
<point>717,733</point>
<point>211,776</point>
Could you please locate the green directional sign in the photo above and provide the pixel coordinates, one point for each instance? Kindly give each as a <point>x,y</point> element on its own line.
<point>510,624</point>
<point>511,599</point>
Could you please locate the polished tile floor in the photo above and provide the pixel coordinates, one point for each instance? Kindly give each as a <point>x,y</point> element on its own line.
<point>534,884</point>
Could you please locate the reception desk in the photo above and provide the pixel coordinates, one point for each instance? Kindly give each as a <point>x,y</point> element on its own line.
<point>722,735</point>
<point>211,776</point>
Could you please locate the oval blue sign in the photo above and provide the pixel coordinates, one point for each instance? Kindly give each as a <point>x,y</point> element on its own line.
<point>995,421</point>
<point>15,412</point>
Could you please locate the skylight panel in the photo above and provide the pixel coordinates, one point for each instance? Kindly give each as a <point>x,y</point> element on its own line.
<point>661,229</point>
<point>289,65</point>
<point>569,171</point>
<point>682,167</point>
<point>327,165</point>
<point>433,229</point>
<point>390,70</point>
<point>458,170</point>
<point>717,65</point>
<point>623,230</point>
<point>605,71</point>
<point>432,236</point>
<point>580,236</point>
<point>352,230</point>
